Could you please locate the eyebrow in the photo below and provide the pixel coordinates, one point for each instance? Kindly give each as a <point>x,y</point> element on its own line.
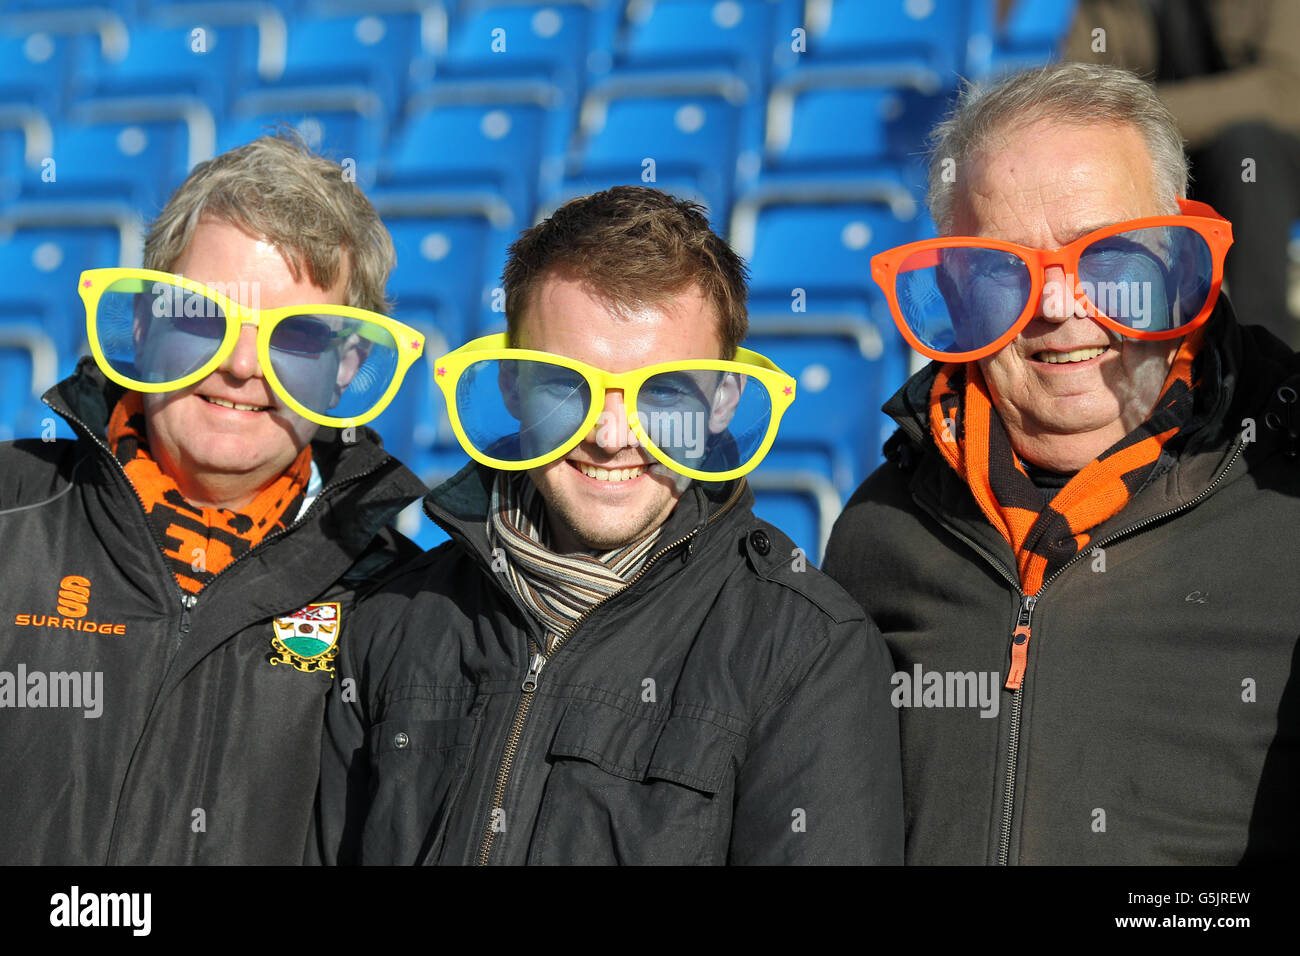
<point>1080,233</point>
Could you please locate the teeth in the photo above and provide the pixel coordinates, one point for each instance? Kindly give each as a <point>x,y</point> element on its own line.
<point>1061,358</point>
<point>225,404</point>
<point>610,474</point>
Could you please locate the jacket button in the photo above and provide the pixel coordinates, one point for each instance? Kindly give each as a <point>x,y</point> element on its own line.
<point>760,542</point>
<point>400,740</point>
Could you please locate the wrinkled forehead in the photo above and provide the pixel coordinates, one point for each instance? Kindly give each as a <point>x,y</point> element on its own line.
<point>1045,183</point>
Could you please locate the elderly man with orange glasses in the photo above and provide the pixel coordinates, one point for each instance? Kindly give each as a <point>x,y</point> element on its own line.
<point>1091,503</point>
<point>613,660</point>
<point>179,579</point>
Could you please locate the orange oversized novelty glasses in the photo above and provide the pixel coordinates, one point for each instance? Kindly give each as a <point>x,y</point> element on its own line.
<point>961,298</point>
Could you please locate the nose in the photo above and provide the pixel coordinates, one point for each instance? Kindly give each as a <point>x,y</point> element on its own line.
<point>1059,301</point>
<point>242,361</point>
<point>611,432</point>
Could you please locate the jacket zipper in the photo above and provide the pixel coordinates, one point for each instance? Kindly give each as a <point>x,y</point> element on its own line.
<point>538,660</point>
<point>1022,633</point>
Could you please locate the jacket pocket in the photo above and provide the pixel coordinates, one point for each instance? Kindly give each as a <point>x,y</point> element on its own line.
<point>417,769</point>
<point>639,790</point>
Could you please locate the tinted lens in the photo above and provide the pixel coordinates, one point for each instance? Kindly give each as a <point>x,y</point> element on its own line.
<point>336,366</point>
<point>1151,279</point>
<point>706,419</point>
<point>962,298</point>
<point>519,409</point>
<point>308,335</point>
<point>156,332</point>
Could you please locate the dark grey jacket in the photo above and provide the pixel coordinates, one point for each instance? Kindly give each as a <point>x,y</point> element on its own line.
<point>202,751</point>
<point>1159,719</point>
<point>729,706</point>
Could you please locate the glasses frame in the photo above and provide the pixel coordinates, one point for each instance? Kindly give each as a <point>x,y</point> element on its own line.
<point>1198,216</point>
<point>95,282</point>
<point>449,368</point>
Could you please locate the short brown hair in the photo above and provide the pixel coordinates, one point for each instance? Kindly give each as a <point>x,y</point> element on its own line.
<point>278,190</point>
<point>635,246</point>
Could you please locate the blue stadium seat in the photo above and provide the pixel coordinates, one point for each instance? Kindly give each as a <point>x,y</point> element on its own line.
<point>800,481</point>
<point>662,139</point>
<point>35,67</point>
<point>28,366</point>
<point>491,147</point>
<point>816,122</point>
<point>137,163</point>
<point>836,409</point>
<point>824,249</point>
<point>698,34</point>
<point>923,39</point>
<point>447,267</point>
<point>49,261</point>
<point>185,59</point>
<point>370,50</point>
<point>545,41</point>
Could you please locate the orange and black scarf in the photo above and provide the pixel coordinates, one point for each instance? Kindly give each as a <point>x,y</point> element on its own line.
<point>199,543</point>
<point>971,436</point>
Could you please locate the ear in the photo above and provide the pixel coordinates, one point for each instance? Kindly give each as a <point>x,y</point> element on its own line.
<point>354,355</point>
<point>140,319</point>
<point>508,382</point>
<point>725,399</point>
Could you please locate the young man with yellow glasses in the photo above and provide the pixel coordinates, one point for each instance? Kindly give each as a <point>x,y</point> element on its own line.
<point>613,660</point>
<point>178,580</point>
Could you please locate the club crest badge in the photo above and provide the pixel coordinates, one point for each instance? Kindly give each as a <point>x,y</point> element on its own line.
<point>308,639</point>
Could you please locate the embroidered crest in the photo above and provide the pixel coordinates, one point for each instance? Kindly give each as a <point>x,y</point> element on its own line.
<point>308,638</point>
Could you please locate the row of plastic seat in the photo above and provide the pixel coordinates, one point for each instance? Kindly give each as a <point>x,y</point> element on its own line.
<point>210,49</point>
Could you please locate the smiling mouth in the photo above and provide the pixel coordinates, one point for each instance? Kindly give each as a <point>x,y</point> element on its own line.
<point>1074,355</point>
<point>238,406</point>
<point>609,474</point>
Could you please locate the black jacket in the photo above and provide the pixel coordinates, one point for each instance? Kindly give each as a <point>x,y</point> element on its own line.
<point>202,750</point>
<point>728,706</point>
<point>1158,719</point>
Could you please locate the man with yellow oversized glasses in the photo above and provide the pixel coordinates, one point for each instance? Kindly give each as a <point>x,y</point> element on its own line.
<point>613,660</point>
<point>186,569</point>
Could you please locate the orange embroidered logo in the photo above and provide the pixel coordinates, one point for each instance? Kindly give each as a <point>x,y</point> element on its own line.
<point>74,593</point>
<point>72,603</point>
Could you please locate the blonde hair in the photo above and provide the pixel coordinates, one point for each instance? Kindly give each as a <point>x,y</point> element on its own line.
<point>277,189</point>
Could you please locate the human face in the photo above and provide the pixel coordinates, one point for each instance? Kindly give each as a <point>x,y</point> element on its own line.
<point>588,512</point>
<point>1043,186</point>
<point>222,456</point>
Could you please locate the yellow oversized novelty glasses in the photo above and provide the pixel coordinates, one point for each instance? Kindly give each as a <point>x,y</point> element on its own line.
<point>516,409</point>
<point>334,365</point>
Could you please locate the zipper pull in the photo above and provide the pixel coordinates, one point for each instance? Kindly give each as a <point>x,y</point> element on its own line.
<point>1020,643</point>
<point>187,601</point>
<point>534,671</point>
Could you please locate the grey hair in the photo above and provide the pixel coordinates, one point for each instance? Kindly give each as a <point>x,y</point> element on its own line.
<point>276,189</point>
<point>1078,93</point>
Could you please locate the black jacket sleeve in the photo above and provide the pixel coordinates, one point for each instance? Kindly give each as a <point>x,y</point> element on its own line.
<point>821,781</point>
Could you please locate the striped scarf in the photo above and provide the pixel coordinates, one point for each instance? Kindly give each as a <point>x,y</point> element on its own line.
<point>557,589</point>
<point>1044,537</point>
<point>199,543</point>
